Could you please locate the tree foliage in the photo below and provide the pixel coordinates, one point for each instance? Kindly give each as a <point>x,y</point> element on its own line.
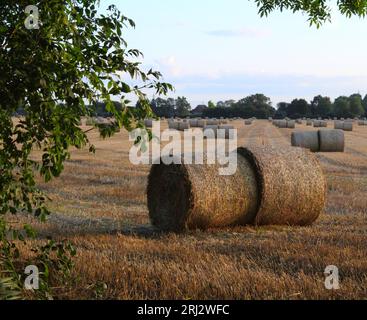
<point>76,56</point>
<point>318,11</point>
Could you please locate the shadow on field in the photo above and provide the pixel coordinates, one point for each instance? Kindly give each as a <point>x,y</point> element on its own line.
<point>59,225</point>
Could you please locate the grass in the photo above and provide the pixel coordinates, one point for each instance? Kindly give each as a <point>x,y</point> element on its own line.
<point>99,204</point>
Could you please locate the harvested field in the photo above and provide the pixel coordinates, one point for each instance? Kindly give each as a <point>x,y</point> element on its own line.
<point>99,203</point>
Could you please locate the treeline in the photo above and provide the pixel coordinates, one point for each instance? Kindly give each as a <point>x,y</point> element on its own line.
<point>342,107</point>
<point>257,105</point>
<point>260,106</point>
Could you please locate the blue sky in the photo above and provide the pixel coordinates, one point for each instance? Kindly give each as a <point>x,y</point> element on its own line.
<point>219,50</point>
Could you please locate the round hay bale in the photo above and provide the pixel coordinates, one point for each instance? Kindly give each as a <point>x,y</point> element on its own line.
<point>338,125</point>
<point>183,196</point>
<point>331,140</point>
<point>148,123</point>
<point>348,126</point>
<point>306,139</point>
<point>323,124</point>
<point>193,123</point>
<point>201,123</point>
<point>212,122</point>
<point>291,184</point>
<point>316,123</point>
<point>173,124</point>
<point>248,122</point>
<point>282,124</point>
<point>309,122</point>
<point>208,131</point>
<point>183,126</point>
<point>291,124</point>
<point>228,133</point>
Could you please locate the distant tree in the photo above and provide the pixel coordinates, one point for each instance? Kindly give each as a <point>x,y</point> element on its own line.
<point>163,108</point>
<point>183,107</point>
<point>282,110</point>
<point>211,104</point>
<point>364,103</point>
<point>342,107</point>
<point>257,105</point>
<point>299,108</point>
<point>356,107</point>
<point>321,106</point>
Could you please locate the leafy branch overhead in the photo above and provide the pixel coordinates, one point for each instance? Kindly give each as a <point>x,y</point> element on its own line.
<point>76,57</point>
<point>318,11</point>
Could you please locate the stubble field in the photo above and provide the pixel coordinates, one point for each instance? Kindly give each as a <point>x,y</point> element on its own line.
<point>99,204</point>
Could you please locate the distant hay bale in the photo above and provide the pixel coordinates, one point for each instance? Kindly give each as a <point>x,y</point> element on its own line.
<point>291,124</point>
<point>209,130</point>
<point>248,122</point>
<point>320,123</point>
<point>212,122</point>
<point>193,123</point>
<point>299,121</point>
<point>228,131</point>
<point>183,126</point>
<point>173,125</point>
<point>201,124</point>
<point>270,186</point>
<point>306,139</point>
<point>331,140</point>
<point>348,126</point>
<point>309,122</point>
<point>361,123</point>
<point>182,197</point>
<point>281,124</point>
<point>338,124</point>
<point>291,183</point>
<point>148,123</point>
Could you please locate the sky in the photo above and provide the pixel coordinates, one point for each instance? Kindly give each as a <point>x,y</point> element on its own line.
<point>221,49</point>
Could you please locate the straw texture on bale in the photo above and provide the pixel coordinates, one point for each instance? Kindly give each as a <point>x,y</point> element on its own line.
<point>331,140</point>
<point>193,196</point>
<point>306,139</point>
<point>270,186</point>
<point>291,183</point>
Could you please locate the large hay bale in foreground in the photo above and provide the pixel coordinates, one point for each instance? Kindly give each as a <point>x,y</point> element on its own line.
<point>331,140</point>
<point>195,196</point>
<point>291,183</point>
<point>270,186</point>
<point>306,139</point>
